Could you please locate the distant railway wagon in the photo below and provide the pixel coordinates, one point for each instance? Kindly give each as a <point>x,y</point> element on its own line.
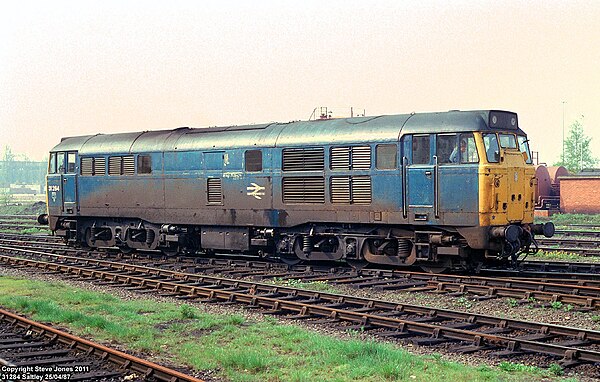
<point>438,190</point>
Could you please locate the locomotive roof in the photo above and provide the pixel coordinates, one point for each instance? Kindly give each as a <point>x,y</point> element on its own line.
<point>383,128</point>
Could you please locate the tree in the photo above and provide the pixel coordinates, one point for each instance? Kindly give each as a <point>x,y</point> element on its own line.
<point>577,149</point>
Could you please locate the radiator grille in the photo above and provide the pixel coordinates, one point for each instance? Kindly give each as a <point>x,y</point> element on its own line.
<point>214,191</point>
<point>361,157</point>
<point>304,190</point>
<point>351,189</point>
<point>87,166</point>
<point>100,166</point>
<point>351,158</point>
<point>311,159</point>
<point>361,190</point>
<point>114,166</point>
<point>340,158</point>
<point>128,165</point>
<point>340,189</point>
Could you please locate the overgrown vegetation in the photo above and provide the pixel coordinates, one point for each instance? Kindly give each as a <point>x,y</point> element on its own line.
<point>238,349</point>
<point>566,219</point>
<point>319,286</point>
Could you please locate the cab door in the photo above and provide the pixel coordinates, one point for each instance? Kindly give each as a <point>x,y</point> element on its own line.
<point>69,181</point>
<point>54,183</point>
<point>420,174</point>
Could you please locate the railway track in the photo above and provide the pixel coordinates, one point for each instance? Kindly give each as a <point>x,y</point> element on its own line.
<point>583,296</point>
<point>33,351</point>
<point>466,332</point>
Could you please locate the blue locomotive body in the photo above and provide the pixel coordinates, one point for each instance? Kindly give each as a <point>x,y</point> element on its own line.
<point>379,189</point>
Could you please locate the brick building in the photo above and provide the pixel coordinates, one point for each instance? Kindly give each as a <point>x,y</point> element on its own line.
<point>580,194</point>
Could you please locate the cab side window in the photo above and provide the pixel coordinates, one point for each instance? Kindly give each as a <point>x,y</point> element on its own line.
<point>60,163</point>
<point>52,164</point>
<point>468,149</point>
<point>445,146</point>
<point>71,163</point>
<point>420,149</point>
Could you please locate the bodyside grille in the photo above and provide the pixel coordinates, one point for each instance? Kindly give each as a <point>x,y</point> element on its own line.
<point>351,189</point>
<point>114,166</point>
<point>310,159</point>
<point>214,191</point>
<point>128,165</point>
<point>350,158</point>
<point>361,157</point>
<point>361,190</point>
<point>304,190</point>
<point>340,189</point>
<point>340,158</point>
<point>100,166</point>
<point>87,166</point>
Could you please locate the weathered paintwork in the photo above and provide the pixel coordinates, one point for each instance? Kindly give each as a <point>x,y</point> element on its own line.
<point>183,159</point>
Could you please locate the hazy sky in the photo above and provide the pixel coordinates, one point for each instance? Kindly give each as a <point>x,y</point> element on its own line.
<point>82,67</point>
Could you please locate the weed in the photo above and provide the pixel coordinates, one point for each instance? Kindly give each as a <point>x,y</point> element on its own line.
<point>556,305</point>
<point>187,312</point>
<point>517,367</point>
<point>595,318</point>
<point>513,303</point>
<point>556,369</point>
<point>568,308</point>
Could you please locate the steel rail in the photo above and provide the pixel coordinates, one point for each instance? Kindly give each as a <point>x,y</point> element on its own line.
<point>358,310</point>
<point>146,368</point>
<point>484,287</point>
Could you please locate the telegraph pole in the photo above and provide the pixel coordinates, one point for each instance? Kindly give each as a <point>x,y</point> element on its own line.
<point>563,131</point>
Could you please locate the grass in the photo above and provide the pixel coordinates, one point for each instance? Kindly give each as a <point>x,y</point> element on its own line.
<point>29,208</point>
<point>318,286</point>
<point>566,219</point>
<point>558,255</point>
<point>232,346</point>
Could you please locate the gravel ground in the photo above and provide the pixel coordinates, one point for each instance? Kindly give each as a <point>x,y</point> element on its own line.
<point>494,307</point>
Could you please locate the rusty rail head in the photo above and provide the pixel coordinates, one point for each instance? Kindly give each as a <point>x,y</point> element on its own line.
<point>259,295</point>
<point>139,365</point>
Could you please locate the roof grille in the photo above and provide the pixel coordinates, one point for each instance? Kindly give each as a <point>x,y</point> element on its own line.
<point>304,190</point>
<point>310,159</point>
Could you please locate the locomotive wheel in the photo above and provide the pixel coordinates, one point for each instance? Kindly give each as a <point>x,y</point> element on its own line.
<point>439,267</point>
<point>87,238</point>
<point>170,252</point>
<point>290,259</point>
<point>126,249</point>
<point>357,264</point>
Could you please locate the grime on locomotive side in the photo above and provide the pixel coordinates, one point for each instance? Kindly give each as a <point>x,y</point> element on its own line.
<point>437,190</point>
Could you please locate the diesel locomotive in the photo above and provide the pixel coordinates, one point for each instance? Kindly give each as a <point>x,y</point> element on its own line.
<point>436,190</point>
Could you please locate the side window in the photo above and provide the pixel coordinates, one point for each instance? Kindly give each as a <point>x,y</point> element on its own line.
<point>468,149</point>
<point>253,160</point>
<point>420,149</point>
<point>492,150</point>
<point>386,157</point>
<point>524,147</point>
<point>52,164</point>
<point>144,164</point>
<point>71,163</point>
<point>446,148</point>
<point>60,163</point>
